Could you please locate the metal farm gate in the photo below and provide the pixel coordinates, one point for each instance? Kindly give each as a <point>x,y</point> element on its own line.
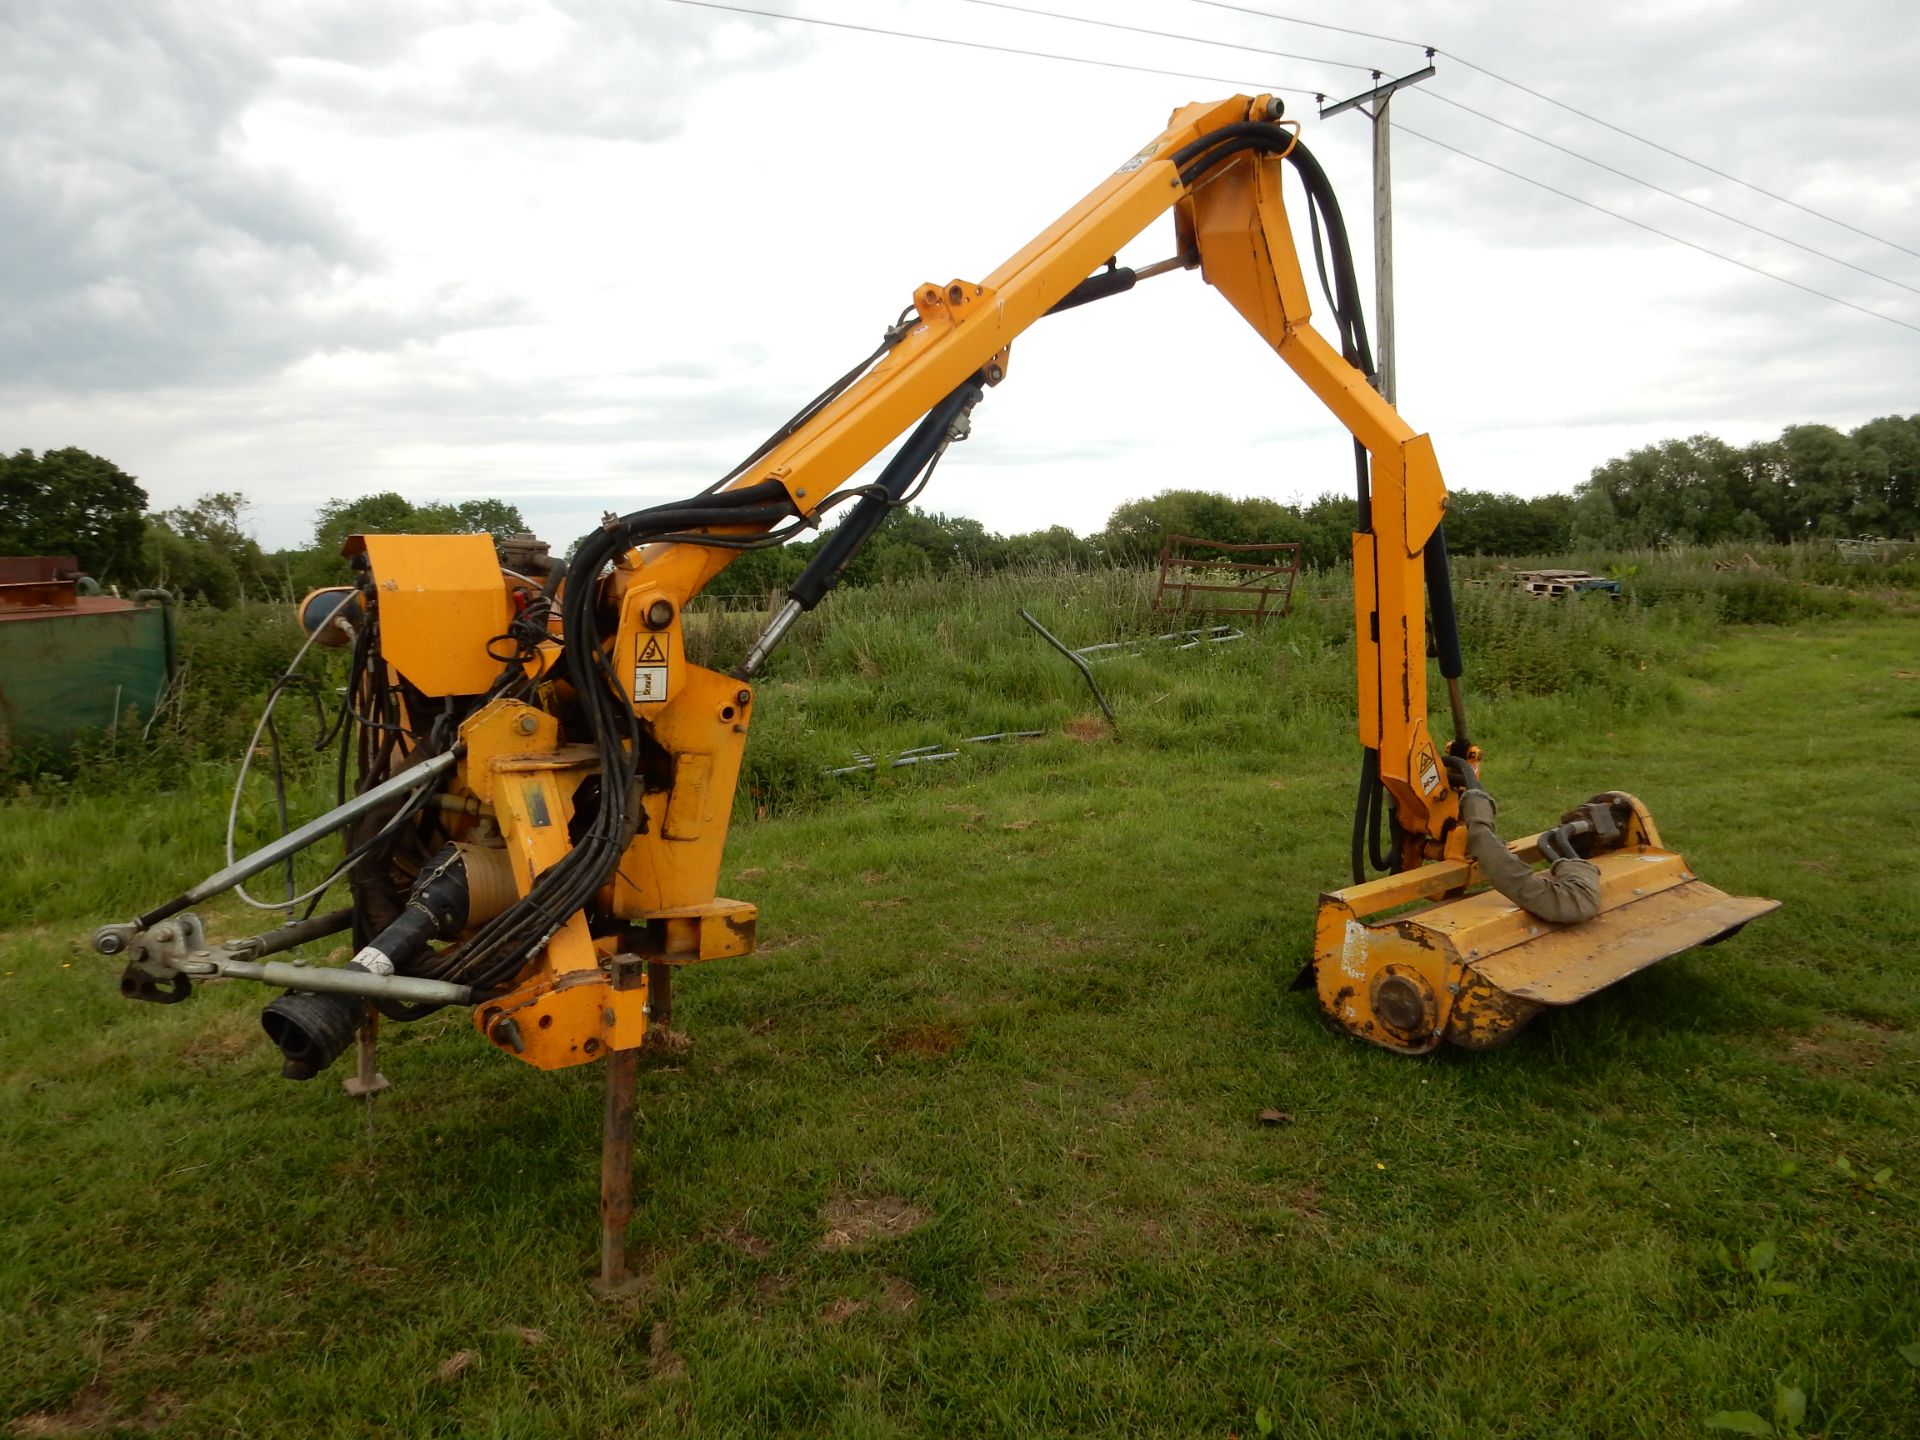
<point>1260,574</point>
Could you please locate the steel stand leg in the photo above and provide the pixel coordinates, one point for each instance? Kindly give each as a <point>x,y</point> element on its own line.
<point>659,999</point>
<point>616,1172</point>
<point>616,1151</point>
<point>366,1081</point>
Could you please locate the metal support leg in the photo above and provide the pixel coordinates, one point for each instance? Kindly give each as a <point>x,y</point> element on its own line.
<point>659,999</point>
<point>616,1173</point>
<point>616,1152</point>
<point>366,1081</point>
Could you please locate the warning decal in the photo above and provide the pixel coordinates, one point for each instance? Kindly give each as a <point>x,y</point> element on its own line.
<point>1429,775</point>
<point>650,674</point>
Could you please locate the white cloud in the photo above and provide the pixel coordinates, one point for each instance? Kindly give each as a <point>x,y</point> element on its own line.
<point>584,255</point>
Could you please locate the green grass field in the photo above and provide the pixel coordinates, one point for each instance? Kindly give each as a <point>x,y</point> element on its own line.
<point>972,1147</point>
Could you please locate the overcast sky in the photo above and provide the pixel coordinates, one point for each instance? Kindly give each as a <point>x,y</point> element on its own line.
<point>584,254</point>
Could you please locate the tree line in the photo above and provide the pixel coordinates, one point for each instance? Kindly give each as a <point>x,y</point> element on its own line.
<point>1813,481</point>
<point>68,502</point>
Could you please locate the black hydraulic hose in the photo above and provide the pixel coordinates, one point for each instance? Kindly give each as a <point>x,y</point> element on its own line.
<point>1220,154</point>
<point>1200,156</point>
<point>1362,809</point>
<point>1368,803</point>
<point>1346,283</point>
<point>1238,130</point>
<point>1446,623</point>
<point>1229,140</point>
<point>1193,161</point>
<point>805,413</point>
<point>823,572</point>
<point>1383,860</point>
<point>494,953</point>
<point>1363,486</point>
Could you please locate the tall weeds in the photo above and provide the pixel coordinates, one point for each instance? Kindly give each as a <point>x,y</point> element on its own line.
<point>932,660</point>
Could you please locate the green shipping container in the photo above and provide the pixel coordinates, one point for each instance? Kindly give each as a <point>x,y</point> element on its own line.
<point>64,671</point>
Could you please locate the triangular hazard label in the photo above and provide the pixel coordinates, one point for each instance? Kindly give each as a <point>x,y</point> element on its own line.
<point>652,652</point>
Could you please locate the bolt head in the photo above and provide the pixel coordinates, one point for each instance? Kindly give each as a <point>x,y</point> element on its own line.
<point>528,724</point>
<point>659,614</point>
<point>743,697</point>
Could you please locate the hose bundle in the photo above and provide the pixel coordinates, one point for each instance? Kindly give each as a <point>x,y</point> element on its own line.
<point>498,950</point>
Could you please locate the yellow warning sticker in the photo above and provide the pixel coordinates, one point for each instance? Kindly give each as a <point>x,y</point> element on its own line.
<point>650,673</point>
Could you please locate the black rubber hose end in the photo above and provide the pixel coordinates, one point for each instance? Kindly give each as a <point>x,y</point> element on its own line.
<point>312,1031</point>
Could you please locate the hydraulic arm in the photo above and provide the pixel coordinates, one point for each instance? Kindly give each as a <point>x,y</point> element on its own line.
<point>568,836</point>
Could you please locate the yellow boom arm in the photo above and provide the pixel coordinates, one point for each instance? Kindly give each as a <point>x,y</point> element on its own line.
<point>1402,980</point>
<point>1217,167</point>
<point>1232,222</point>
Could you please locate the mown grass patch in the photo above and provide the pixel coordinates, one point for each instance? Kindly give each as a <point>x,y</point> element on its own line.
<point>1010,1031</point>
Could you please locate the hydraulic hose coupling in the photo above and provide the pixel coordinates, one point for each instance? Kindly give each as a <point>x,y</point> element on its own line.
<point>462,885</point>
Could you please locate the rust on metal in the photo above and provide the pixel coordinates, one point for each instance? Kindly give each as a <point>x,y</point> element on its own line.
<point>78,605</point>
<point>625,973</point>
<point>1185,573</point>
<point>659,997</point>
<point>720,929</point>
<point>26,569</point>
<point>40,595</point>
<point>1484,1016</point>
<point>616,1172</point>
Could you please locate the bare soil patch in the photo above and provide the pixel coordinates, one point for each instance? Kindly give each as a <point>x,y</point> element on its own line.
<point>924,1042</point>
<point>853,1223</point>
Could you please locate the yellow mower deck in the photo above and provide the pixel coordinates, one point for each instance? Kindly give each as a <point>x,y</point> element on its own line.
<point>1472,968</point>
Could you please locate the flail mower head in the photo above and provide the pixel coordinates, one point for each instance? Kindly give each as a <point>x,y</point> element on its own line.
<point>1437,953</point>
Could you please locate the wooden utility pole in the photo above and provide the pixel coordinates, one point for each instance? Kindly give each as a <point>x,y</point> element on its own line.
<point>1381,95</point>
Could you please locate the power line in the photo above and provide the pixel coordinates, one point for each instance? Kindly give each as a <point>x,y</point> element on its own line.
<point>1298,90</point>
<point>1655,230</point>
<point>998,49</point>
<point>1460,59</point>
<point>1670,194</point>
<point>1445,100</point>
<point>1310,24</point>
<point>1667,150</point>
<point>1167,34</point>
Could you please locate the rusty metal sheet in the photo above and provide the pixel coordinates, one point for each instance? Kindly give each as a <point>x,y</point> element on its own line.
<point>39,595</point>
<point>29,569</point>
<point>1568,962</point>
<point>81,606</point>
